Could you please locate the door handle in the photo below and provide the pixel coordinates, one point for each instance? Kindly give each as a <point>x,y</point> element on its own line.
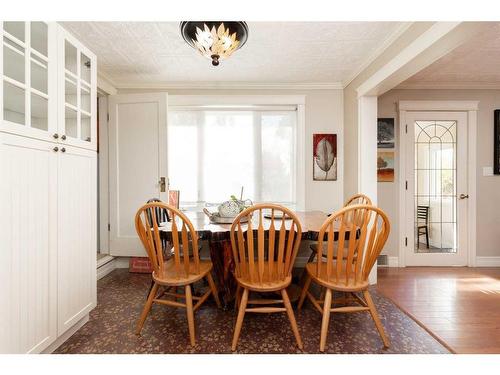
<point>463,196</point>
<point>163,184</point>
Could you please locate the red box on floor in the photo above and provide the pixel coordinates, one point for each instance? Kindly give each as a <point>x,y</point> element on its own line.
<point>140,265</point>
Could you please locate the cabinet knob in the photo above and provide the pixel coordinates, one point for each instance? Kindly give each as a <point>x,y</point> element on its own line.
<point>63,149</point>
<point>56,135</point>
<point>56,149</point>
<point>63,137</point>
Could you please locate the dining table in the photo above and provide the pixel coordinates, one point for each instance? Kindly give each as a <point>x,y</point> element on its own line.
<point>219,243</point>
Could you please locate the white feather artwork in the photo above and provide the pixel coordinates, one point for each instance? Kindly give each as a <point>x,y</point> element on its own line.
<point>325,158</point>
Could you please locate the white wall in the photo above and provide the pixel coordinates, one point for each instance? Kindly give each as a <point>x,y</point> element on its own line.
<point>387,192</point>
<point>323,114</point>
<point>488,188</point>
<point>351,108</point>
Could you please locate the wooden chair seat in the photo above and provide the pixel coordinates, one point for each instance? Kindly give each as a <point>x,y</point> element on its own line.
<point>269,282</point>
<point>170,277</point>
<point>341,285</point>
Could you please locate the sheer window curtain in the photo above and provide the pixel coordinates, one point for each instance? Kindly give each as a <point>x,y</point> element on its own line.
<point>213,153</point>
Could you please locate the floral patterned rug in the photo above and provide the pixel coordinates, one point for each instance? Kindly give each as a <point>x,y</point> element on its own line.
<point>121,296</point>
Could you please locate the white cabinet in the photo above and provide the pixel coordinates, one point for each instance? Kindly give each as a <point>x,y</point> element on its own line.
<point>48,185</point>
<point>28,238</point>
<point>48,85</point>
<point>77,76</point>
<point>48,235</point>
<point>76,234</point>
<point>28,62</point>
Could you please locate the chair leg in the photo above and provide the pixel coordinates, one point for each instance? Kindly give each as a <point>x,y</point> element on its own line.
<point>376,319</point>
<point>190,314</point>
<point>237,298</point>
<point>239,320</point>
<point>427,236</point>
<point>147,308</point>
<point>304,292</point>
<point>291,317</point>
<point>326,319</point>
<point>213,288</point>
<point>150,288</point>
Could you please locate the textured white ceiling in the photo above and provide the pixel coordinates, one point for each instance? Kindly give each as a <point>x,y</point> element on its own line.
<point>474,62</point>
<point>276,52</point>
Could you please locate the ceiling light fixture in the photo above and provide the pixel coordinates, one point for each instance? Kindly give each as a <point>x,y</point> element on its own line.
<point>216,40</point>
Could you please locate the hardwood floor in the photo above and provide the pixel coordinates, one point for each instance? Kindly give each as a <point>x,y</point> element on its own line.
<point>459,306</point>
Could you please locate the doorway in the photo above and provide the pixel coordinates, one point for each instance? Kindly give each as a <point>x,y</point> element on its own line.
<point>435,200</point>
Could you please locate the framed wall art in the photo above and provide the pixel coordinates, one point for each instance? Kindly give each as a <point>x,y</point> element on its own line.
<point>324,157</point>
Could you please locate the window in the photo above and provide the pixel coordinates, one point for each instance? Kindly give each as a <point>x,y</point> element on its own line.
<point>213,153</point>
<point>435,177</point>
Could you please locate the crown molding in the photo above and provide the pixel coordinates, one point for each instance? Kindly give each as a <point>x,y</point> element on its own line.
<point>233,86</point>
<point>379,51</point>
<point>448,86</point>
<point>105,85</point>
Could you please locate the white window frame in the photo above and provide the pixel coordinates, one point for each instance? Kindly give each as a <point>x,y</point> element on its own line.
<point>258,102</point>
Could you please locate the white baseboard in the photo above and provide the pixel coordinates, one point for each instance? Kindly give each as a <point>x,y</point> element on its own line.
<point>66,335</point>
<point>487,261</point>
<point>393,262</point>
<point>105,259</point>
<point>122,262</point>
<point>106,268</point>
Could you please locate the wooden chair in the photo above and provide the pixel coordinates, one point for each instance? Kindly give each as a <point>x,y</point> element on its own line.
<point>264,263</point>
<point>161,215</point>
<point>180,269</point>
<point>423,222</point>
<point>367,228</point>
<point>355,199</point>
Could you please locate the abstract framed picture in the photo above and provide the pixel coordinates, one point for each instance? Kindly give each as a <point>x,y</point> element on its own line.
<point>496,143</point>
<point>385,166</point>
<point>324,157</point>
<point>385,133</point>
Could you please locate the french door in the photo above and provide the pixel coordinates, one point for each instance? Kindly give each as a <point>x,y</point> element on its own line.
<point>137,164</point>
<point>436,204</point>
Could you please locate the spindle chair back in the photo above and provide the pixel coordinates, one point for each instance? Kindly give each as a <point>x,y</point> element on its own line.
<point>354,237</point>
<point>264,251</point>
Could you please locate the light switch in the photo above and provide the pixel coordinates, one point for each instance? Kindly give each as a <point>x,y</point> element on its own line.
<point>487,171</point>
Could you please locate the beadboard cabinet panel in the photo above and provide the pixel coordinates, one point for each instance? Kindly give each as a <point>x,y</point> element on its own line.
<point>77,235</point>
<point>29,249</point>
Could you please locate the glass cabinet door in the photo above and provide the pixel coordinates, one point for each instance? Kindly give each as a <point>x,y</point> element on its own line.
<point>78,85</point>
<point>28,63</point>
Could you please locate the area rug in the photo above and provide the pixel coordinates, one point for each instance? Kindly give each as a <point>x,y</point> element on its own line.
<point>121,296</point>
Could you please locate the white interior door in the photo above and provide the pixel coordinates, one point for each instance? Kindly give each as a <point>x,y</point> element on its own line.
<point>436,189</point>
<point>137,163</point>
